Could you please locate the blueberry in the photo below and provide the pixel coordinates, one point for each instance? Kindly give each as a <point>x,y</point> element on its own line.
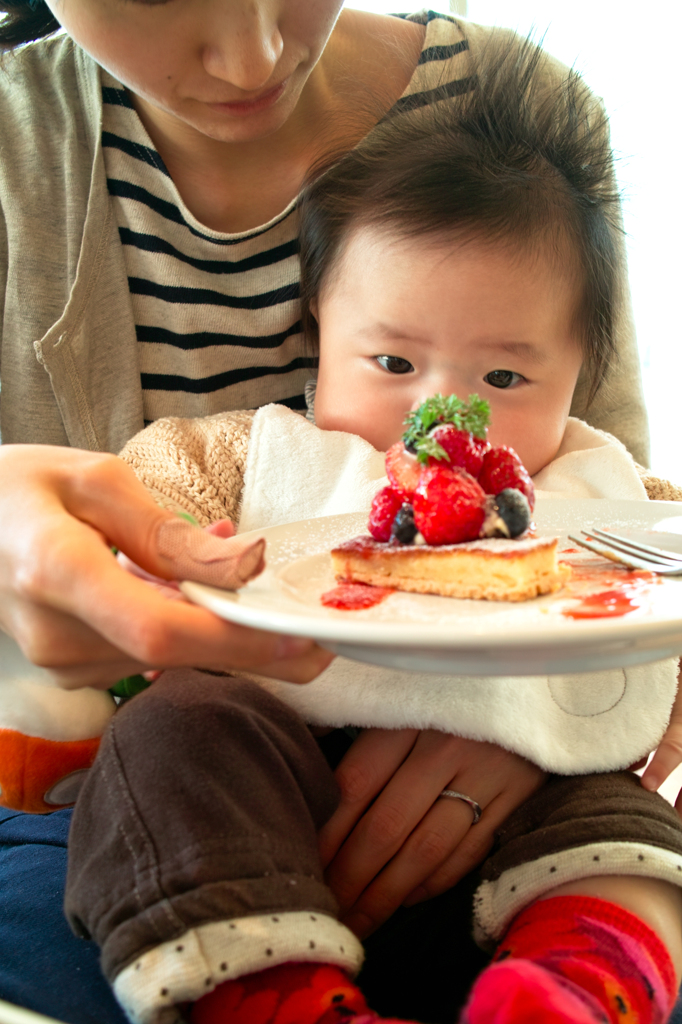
<point>403,530</point>
<point>513,508</point>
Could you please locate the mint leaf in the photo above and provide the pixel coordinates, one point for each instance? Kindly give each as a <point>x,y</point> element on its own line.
<point>428,448</point>
<point>473,417</point>
<point>477,416</point>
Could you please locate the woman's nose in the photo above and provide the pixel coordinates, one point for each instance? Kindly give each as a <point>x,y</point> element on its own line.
<point>244,43</point>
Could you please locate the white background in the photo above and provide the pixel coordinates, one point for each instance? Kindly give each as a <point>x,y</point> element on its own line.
<point>630,57</point>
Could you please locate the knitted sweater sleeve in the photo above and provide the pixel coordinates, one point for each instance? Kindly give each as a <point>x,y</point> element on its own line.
<point>658,489</point>
<point>194,465</point>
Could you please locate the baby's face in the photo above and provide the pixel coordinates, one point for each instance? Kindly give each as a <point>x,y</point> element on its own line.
<point>401,319</point>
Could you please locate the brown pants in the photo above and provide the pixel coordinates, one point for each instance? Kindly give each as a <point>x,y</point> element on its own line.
<point>204,803</point>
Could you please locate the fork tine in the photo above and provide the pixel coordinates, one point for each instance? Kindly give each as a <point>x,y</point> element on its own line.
<point>598,548</point>
<point>621,544</point>
<point>644,549</point>
<point>633,553</point>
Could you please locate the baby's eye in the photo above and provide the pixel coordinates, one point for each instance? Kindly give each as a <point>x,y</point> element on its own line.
<point>394,364</point>
<point>502,378</point>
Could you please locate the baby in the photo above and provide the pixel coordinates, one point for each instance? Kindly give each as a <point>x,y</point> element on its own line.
<point>467,253</point>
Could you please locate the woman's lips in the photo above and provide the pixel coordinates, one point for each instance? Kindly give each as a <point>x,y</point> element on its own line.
<point>242,108</point>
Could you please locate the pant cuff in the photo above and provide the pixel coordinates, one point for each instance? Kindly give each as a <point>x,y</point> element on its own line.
<point>497,902</point>
<point>151,988</point>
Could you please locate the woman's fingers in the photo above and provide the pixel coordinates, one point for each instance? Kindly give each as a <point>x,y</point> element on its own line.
<point>404,800</point>
<point>669,753</point>
<point>135,627</point>
<point>137,618</point>
<point>471,851</point>
<point>666,759</point>
<point>364,771</point>
<point>301,662</point>
<point>103,493</point>
<point>104,611</point>
<point>158,541</point>
<point>76,612</point>
<point>443,829</point>
<point>411,844</point>
<point>221,528</point>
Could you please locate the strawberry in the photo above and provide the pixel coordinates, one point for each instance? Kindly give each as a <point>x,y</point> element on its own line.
<point>461,446</point>
<point>449,505</point>
<point>385,504</point>
<point>502,468</point>
<point>402,469</point>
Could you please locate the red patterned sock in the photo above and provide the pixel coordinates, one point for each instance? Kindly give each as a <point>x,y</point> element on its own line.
<point>292,993</point>
<point>575,960</point>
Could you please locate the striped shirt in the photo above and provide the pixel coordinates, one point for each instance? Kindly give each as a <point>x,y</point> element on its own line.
<point>217,315</point>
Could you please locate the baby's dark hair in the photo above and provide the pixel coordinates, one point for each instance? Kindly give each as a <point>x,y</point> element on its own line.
<point>522,160</point>
<point>25,21</point>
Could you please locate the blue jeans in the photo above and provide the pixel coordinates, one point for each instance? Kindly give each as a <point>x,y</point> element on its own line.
<point>43,966</point>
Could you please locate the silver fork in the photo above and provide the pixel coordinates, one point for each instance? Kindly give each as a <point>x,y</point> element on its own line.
<point>629,553</point>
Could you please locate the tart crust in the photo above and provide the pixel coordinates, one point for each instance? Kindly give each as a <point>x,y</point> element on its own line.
<point>492,569</point>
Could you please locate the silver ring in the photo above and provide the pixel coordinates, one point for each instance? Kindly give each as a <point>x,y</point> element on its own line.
<point>476,808</point>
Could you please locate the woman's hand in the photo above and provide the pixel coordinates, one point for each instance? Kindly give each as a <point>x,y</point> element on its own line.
<point>668,756</point>
<point>74,610</point>
<point>392,841</point>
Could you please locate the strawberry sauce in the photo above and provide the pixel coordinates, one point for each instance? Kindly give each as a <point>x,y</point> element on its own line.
<point>608,604</point>
<point>626,591</point>
<point>350,597</point>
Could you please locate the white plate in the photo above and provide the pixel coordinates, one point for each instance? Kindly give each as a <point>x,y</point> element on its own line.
<point>438,634</point>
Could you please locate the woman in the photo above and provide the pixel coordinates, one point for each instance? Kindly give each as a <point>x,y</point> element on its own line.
<point>147,180</point>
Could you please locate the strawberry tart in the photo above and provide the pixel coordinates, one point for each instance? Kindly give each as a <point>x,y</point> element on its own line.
<point>455,517</point>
